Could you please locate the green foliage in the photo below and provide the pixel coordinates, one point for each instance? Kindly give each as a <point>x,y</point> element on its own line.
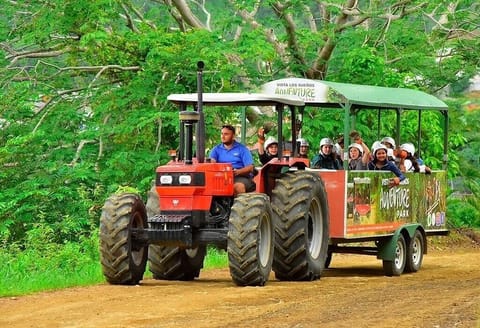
<point>463,213</point>
<point>362,66</point>
<point>215,258</point>
<point>45,264</point>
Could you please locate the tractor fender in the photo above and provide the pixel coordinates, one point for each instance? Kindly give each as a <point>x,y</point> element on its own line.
<point>386,247</point>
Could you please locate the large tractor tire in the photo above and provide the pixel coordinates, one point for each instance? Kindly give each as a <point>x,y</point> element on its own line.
<point>123,259</point>
<point>172,263</point>
<point>250,239</point>
<point>301,218</point>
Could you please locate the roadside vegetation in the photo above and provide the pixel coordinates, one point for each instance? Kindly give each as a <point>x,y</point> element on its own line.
<point>50,266</point>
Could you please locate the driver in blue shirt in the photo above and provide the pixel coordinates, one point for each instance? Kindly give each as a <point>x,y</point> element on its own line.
<point>231,151</point>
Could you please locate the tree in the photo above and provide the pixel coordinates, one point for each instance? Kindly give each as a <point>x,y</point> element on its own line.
<point>84,83</point>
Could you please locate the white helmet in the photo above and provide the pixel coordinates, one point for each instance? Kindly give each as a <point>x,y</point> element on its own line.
<point>378,145</point>
<point>302,142</point>
<point>326,142</point>
<point>389,140</point>
<point>270,141</point>
<point>408,147</point>
<point>355,145</point>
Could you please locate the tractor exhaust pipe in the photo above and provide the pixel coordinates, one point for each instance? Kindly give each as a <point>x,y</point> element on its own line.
<point>200,131</point>
<point>188,120</point>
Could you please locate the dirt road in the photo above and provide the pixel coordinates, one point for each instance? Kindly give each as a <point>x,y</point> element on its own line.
<point>353,293</point>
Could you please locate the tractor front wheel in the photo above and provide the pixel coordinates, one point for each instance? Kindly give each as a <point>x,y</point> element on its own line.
<point>123,258</point>
<point>250,239</point>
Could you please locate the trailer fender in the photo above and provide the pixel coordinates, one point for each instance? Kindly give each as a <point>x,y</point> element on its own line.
<point>386,247</point>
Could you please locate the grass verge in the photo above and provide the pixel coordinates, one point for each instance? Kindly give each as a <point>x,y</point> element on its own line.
<point>54,266</point>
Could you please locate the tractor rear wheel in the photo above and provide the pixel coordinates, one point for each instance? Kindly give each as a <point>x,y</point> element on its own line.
<point>123,258</point>
<point>250,239</point>
<point>174,263</point>
<point>301,218</point>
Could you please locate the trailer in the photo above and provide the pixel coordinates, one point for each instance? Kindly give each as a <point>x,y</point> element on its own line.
<point>366,215</point>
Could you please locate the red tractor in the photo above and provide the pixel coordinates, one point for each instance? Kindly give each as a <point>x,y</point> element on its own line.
<point>282,225</point>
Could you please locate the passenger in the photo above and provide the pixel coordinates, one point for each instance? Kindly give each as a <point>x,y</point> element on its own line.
<point>231,151</point>
<point>357,138</point>
<point>391,145</point>
<point>389,142</point>
<point>303,148</point>
<point>408,161</point>
<point>358,157</point>
<point>326,158</point>
<point>268,152</point>
<point>381,163</point>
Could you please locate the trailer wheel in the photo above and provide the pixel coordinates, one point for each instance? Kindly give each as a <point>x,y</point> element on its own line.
<point>396,267</point>
<point>174,263</point>
<point>301,218</point>
<point>415,252</point>
<point>250,239</point>
<point>123,259</point>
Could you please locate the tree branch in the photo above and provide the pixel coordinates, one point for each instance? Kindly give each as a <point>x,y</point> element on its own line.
<point>130,23</point>
<point>60,70</point>
<point>100,144</point>
<point>249,17</point>
<point>205,11</point>
<point>187,14</point>
<point>128,5</point>
<point>290,29</point>
<point>79,150</point>
<point>36,54</point>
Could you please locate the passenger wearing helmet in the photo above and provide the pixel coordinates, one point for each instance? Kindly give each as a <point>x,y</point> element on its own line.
<point>326,158</point>
<point>357,157</point>
<point>303,147</point>
<point>408,161</point>
<point>380,162</point>
<point>389,142</point>
<point>358,153</point>
<point>269,151</point>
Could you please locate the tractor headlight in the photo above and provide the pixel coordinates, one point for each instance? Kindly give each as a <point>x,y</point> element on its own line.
<point>166,179</point>
<point>185,179</point>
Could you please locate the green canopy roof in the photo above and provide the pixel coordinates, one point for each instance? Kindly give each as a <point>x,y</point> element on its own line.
<point>332,94</point>
<point>236,99</point>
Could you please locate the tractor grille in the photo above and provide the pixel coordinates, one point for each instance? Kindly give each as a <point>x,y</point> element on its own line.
<point>170,229</point>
